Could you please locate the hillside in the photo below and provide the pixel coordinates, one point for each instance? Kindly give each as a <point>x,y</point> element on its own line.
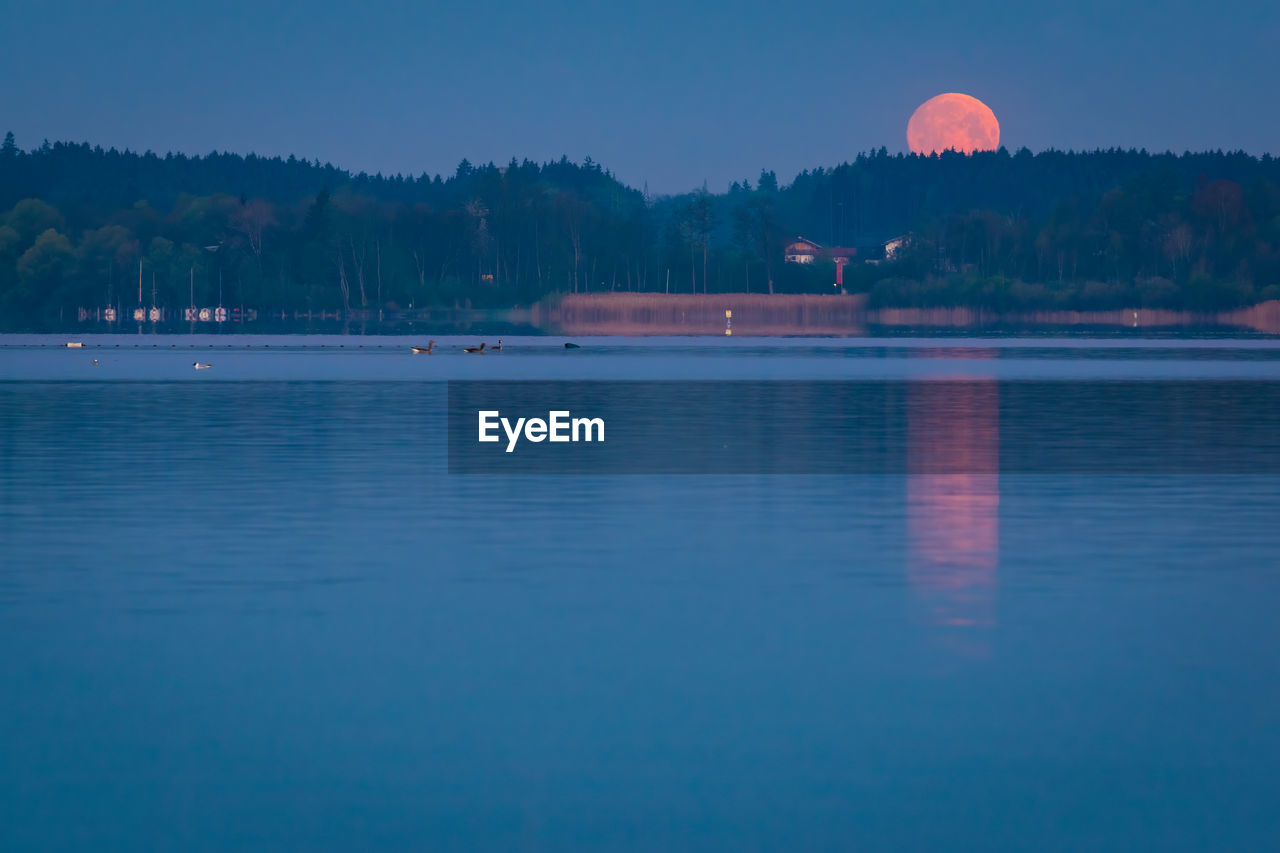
<point>999,231</point>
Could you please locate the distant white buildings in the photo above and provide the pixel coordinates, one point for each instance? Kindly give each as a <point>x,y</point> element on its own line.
<point>802,251</point>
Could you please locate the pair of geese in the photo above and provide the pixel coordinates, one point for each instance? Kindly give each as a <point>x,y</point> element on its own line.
<point>196,364</point>
<point>429,349</point>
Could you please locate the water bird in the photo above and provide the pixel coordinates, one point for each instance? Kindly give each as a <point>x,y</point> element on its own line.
<point>431,345</point>
<point>496,346</point>
<point>475,349</point>
<point>95,362</point>
<point>572,346</point>
<point>199,366</point>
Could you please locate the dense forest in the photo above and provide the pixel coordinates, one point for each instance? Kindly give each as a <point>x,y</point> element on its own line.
<point>80,225</point>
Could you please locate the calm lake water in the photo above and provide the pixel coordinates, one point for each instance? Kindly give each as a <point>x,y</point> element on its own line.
<point>249,608</point>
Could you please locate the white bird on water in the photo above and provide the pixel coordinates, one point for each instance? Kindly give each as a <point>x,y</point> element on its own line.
<point>198,366</point>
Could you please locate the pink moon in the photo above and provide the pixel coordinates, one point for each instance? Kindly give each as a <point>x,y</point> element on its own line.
<point>953,122</point>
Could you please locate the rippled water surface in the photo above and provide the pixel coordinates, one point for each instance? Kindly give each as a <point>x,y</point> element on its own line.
<point>248,608</point>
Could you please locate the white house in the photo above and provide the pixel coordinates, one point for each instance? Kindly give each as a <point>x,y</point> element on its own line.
<point>892,247</point>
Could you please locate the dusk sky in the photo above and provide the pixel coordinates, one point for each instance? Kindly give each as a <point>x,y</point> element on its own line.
<point>672,94</point>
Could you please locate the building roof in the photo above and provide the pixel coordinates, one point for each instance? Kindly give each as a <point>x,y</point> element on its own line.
<point>819,249</point>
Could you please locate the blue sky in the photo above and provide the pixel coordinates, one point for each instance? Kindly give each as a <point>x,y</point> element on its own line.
<point>672,94</point>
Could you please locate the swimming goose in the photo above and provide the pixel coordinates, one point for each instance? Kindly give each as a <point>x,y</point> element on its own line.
<point>431,345</point>
<point>475,349</point>
<point>198,366</point>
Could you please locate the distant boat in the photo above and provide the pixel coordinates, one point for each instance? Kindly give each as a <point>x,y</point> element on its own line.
<point>475,349</point>
<point>198,366</point>
<point>572,346</point>
<point>427,349</point>
<point>74,344</point>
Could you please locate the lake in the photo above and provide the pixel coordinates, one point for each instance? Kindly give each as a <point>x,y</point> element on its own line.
<point>251,608</point>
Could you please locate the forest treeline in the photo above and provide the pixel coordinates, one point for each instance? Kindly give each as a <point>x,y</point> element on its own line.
<point>79,225</point>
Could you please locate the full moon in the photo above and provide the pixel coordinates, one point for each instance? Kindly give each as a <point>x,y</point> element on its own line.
<point>953,122</point>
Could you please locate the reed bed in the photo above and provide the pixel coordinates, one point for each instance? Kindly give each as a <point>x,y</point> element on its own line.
<point>759,314</point>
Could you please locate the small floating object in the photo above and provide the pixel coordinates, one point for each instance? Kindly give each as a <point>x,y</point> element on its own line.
<point>201,366</point>
<point>74,344</point>
<point>431,345</point>
<point>95,362</point>
<point>572,346</point>
<point>475,349</point>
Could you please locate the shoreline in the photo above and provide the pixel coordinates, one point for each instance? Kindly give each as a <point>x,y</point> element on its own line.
<point>633,314</point>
